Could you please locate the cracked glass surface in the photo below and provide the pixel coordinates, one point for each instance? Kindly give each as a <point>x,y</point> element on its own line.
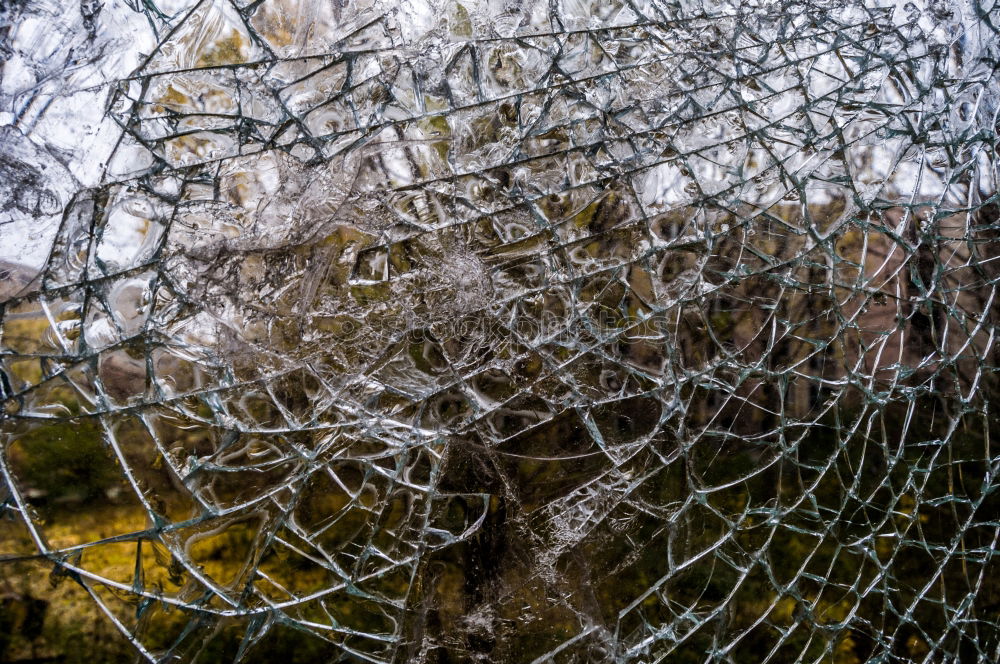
<point>440,331</point>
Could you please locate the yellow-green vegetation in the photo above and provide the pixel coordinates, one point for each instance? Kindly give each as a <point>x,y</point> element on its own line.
<point>47,613</point>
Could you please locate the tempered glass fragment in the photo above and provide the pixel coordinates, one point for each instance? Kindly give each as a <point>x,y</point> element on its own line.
<point>512,332</point>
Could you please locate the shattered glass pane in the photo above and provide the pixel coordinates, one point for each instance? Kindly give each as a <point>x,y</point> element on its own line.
<point>530,331</point>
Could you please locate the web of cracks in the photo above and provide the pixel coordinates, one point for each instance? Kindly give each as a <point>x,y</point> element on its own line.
<point>550,332</point>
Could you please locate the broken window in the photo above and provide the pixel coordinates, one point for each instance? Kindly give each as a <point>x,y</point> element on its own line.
<point>435,331</point>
